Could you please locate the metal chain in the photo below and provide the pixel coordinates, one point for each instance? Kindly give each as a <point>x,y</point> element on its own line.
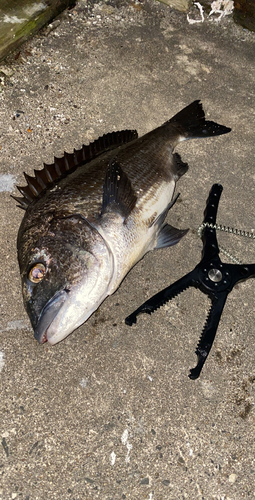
<point>226,229</point>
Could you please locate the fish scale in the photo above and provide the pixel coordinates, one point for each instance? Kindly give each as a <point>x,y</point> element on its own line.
<point>93,214</point>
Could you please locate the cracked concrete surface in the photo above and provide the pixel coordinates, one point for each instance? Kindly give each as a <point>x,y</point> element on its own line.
<point>110,412</point>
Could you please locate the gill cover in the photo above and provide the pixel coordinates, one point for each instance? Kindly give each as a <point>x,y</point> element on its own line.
<point>77,270</point>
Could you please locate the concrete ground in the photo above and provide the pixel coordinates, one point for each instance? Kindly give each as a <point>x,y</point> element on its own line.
<point>110,412</point>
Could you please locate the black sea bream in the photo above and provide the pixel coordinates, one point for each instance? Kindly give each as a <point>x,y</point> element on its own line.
<point>93,214</point>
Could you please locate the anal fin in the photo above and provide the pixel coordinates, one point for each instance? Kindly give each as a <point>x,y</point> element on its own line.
<point>169,236</point>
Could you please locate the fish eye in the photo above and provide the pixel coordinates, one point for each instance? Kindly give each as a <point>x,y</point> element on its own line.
<point>37,272</point>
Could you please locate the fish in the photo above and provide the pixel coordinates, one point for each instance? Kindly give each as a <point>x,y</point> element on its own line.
<point>93,214</point>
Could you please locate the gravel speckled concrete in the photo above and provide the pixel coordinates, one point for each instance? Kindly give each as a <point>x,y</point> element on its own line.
<point>110,412</point>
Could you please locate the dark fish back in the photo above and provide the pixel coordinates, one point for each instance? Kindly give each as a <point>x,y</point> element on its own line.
<point>52,174</point>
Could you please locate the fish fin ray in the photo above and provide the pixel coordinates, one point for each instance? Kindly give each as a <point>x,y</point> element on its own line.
<point>26,193</point>
<point>118,193</point>
<point>69,159</point>
<point>22,203</point>
<point>53,173</point>
<point>33,184</point>
<point>192,124</point>
<point>169,236</point>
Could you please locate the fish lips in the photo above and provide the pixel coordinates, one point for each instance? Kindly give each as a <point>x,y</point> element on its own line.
<point>48,314</point>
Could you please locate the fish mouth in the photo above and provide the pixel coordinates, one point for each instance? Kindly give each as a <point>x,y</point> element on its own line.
<point>48,314</point>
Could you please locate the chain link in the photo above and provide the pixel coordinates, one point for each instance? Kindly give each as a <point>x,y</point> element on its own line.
<point>229,230</point>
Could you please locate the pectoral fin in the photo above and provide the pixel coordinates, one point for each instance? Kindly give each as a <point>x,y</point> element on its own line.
<point>118,193</point>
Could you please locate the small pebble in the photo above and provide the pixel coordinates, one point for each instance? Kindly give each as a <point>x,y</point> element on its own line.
<point>232,478</point>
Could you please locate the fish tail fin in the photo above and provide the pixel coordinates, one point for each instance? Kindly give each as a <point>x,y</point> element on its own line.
<point>191,123</point>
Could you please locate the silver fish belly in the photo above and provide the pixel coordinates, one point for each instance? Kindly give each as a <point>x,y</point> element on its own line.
<point>93,214</point>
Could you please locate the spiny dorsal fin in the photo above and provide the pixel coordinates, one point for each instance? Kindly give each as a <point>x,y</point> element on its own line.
<point>51,174</point>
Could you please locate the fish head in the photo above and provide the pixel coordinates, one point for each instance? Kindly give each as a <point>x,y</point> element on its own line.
<point>66,268</point>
